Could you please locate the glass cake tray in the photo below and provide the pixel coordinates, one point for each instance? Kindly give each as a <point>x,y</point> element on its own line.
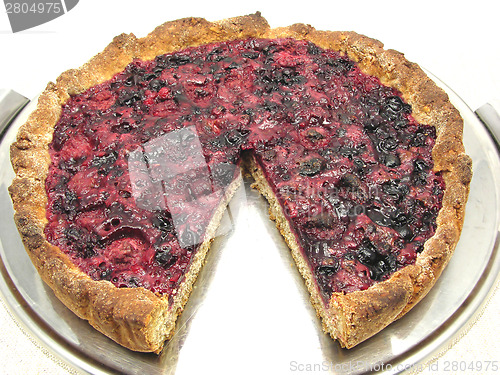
<point>249,311</point>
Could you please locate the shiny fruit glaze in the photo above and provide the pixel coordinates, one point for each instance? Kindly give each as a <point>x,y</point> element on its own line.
<point>141,162</point>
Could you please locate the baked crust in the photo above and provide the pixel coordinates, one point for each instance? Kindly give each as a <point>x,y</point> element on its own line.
<point>140,320</point>
<point>135,318</point>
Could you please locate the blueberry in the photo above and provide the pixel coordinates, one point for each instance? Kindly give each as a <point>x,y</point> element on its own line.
<point>372,124</point>
<point>420,165</point>
<point>232,66</point>
<point>311,167</point>
<point>105,162</point>
<point>436,190</point>
<point>125,194</point>
<point>340,65</point>
<point>59,139</point>
<point>406,233</point>
<point>215,55</point>
<point>162,221</point>
<point>249,112</point>
<point>391,262</point>
<point>129,98</point>
<point>418,139</point>
<point>73,234</point>
<point>400,124</point>
<point>391,160</point>
<point>367,255</point>
<point>378,217</point>
<point>132,80</point>
<point>391,187</point>
<point>420,180</point>
<point>393,106</point>
<point>71,201</point>
<point>175,61</point>
<point>71,165</point>
<point>68,204</point>
<point>394,103</point>
<point>106,274</point>
<point>282,172</point>
<point>328,153</point>
<point>156,84</point>
<point>250,55</point>
<point>88,251</point>
<point>419,247</point>
<point>382,132</point>
<point>349,152</point>
<point>273,79</point>
<point>399,219</point>
<point>235,138</point>
<point>164,258</point>
<point>82,241</point>
<point>361,166</point>
<point>57,206</point>
<point>269,49</point>
<point>387,145</point>
<point>313,49</point>
<point>420,172</point>
<point>327,269</point>
<point>133,282</point>
<point>349,256</point>
<point>395,188</point>
<point>344,209</point>
<point>378,271</point>
<point>244,132</point>
<point>217,144</point>
<point>428,218</point>
<point>341,132</point>
<point>158,69</point>
<point>150,76</point>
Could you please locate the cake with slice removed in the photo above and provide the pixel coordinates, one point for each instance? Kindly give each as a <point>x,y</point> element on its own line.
<point>124,171</point>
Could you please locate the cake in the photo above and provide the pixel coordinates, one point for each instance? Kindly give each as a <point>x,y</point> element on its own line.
<point>124,171</point>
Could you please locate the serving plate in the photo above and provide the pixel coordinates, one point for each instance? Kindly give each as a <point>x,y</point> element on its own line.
<point>250,310</point>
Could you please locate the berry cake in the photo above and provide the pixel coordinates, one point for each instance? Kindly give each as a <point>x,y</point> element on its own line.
<point>125,169</point>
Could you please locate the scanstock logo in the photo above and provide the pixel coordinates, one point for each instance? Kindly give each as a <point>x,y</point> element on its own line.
<point>25,14</point>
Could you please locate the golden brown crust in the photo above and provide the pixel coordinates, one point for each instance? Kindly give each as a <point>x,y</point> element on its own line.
<point>146,322</point>
<point>359,315</point>
<point>135,318</point>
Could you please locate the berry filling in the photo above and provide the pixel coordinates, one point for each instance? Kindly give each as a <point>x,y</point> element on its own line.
<point>140,163</point>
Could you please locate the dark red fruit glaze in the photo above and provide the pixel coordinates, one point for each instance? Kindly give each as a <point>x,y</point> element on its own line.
<point>129,198</point>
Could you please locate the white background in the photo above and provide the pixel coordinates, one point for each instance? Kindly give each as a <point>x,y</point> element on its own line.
<point>457,41</point>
